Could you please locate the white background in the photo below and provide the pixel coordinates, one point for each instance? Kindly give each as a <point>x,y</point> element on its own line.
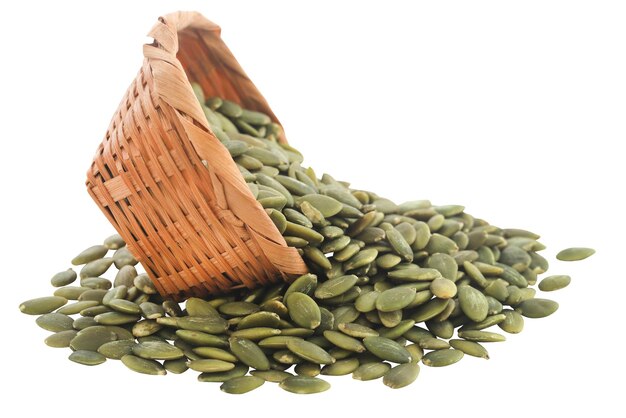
<point>514,109</point>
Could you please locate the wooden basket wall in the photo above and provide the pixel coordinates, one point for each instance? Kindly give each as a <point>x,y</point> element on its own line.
<point>197,231</point>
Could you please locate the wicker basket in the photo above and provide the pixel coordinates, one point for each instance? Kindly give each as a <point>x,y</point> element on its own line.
<point>196,231</point>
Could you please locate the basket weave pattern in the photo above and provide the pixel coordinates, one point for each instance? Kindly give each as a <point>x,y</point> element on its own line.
<point>196,230</point>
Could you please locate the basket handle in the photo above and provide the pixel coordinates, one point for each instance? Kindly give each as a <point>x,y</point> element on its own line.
<point>173,88</point>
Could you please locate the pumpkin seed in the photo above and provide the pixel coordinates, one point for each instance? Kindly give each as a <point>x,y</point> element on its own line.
<point>471,348</point>
<point>117,349</point>
<point>473,303</point>
<point>401,375</point>
<point>341,367</point>
<point>537,308</point>
<point>274,376</point>
<point>55,322</point>
<point>387,349</point>
<point>142,365</point>
<point>304,385</point>
<point>371,371</point>
<point>575,254</point>
<point>513,322</point>
<point>395,299</point>
<point>441,358</point>
<point>335,287</point>
<point>443,288</point>
<point>63,278</point>
<point>177,366</point>
<point>303,310</point>
<point>241,385</point>
<point>309,351</point>
<point>556,282</point>
<point>42,305</point>
<point>249,353</point>
<point>481,336</point>
<point>87,358</point>
<point>61,339</point>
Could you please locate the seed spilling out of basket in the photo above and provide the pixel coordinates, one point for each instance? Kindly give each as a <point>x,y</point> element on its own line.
<point>389,285</point>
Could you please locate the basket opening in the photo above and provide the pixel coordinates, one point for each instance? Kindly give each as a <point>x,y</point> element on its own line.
<point>208,62</point>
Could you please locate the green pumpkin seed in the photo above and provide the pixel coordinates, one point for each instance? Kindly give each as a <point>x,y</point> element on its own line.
<point>470,348</point>
<point>309,351</point>
<point>304,385</point>
<point>144,366</point>
<point>207,324</point>
<point>84,322</point>
<point>257,333</point>
<point>70,292</point>
<point>63,278</point>
<point>575,254</point>
<point>96,283</point>
<point>307,369</point>
<point>556,282</point>
<point>215,353</point>
<point>116,318</point>
<point>429,310</point>
<point>55,322</point>
<point>398,330</point>
<point>443,288</point>
<point>114,242</point>
<point>513,322</point>
<point>199,307</point>
<point>124,306</point>
<point>61,339</point>
<point>328,206</point>
<point>92,338</point>
<point>445,264</point>
<point>238,308</point>
<point>95,311</point>
<point>74,308</point>
<point>157,350</point>
<point>371,371</point>
<point>143,283</point>
<point>117,349</point>
<point>125,276</point>
<point>87,358</point>
<point>237,371</point>
<point>360,259</point>
<point>357,330</point>
<point>259,319</point>
<point>316,256</point>
<point>399,244</point>
<point>486,323</point>
<point>93,253</point>
<point>42,305</point>
<point>303,310</point>
<point>473,303</point>
<point>441,358</point>
<point>241,385</point>
<point>387,349</point>
<point>395,299</point>
<point>401,375</point>
<point>344,341</point>
<point>210,365</point>
<point>177,366</point>
<point>96,268</point>
<point>341,367</point>
<point>274,376</point>
<point>249,353</point>
<point>481,336</point>
<point>335,287</point>
<point>537,308</point>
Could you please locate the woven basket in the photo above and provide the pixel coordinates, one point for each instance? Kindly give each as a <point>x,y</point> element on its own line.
<point>196,231</point>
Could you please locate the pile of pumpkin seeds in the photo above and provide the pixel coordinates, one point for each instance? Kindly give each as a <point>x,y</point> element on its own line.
<point>390,286</point>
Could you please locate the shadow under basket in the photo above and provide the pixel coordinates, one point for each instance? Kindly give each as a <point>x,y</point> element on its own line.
<point>196,230</point>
